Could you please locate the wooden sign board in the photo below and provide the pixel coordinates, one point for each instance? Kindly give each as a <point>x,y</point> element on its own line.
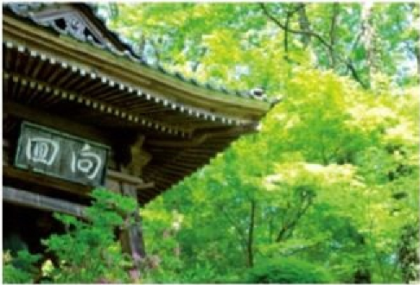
<point>61,155</point>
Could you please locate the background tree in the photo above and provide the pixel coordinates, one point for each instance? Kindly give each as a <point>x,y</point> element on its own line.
<point>332,176</point>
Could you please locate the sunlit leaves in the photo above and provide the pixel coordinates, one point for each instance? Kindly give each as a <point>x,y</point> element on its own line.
<point>343,157</point>
<point>333,171</point>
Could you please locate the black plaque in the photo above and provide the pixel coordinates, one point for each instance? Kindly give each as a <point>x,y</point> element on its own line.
<point>61,155</point>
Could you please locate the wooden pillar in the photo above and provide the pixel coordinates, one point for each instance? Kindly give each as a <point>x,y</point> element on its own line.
<point>131,159</point>
<point>132,239</point>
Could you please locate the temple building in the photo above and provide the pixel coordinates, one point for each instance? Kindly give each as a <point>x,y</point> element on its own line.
<point>82,110</point>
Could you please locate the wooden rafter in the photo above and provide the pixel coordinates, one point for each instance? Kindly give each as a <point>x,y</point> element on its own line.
<point>152,81</point>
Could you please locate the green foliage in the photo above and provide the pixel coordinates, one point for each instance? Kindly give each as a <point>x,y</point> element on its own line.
<point>333,171</point>
<point>20,268</point>
<point>288,271</point>
<point>239,45</point>
<point>88,251</point>
<point>332,175</point>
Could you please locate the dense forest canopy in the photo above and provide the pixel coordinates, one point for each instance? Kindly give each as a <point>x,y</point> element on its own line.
<point>327,189</point>
<point>332,176</point>
<point>244,45</point>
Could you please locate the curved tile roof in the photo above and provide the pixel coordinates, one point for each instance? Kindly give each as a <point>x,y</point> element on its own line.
<point>27,11</point>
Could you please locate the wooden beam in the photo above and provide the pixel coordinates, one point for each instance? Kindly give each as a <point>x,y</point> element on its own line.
<point>44,118</point>
<point>200,139</point>
<point>178,166</point>
<point>45,181</point>
<point>38,201</point>
<point>146,185</point>
<point>62,185</point>
<point>126,178</point>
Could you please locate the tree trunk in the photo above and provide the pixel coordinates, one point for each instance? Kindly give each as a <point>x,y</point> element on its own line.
<point>369,41</point>
<point>250,249</point>
<point>304,24</point>
<point>417,52</point>
<point>333,28</point>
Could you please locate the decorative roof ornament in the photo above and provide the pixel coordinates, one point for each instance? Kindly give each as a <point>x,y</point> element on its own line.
<point>25,8</point>
<point>258,92</point>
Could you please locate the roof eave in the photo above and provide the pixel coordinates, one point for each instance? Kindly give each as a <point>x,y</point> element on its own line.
<point>123,69</point>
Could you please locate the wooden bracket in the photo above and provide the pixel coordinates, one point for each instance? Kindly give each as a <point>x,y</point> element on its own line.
<point>53,121</point>
<point>129,179</point>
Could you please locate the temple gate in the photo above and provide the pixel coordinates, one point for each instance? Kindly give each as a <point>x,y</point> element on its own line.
<point>82,109</point>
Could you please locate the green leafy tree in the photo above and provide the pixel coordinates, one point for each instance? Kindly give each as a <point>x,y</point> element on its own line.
<point>20,268</point>
<point>88,251</point>
<point>331,191</point>
<point>288,271</point>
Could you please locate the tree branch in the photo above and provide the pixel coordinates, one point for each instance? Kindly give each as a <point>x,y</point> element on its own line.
<point>239,231</point>
<point>332,32</point>
<point>286,37</point>
<point>283,27</point>
<point>354,74</point>
<point>289,226</point>
<point>346,61</point>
